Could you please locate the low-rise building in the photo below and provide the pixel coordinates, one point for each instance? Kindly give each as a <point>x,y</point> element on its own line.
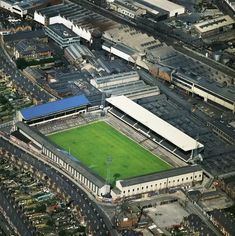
<point>115,79</point>
<point>181,176</point>
<point>22,8</point>
<point>62,35</point>
<point>31,50</point>
<point>127,9</point>
<point>76,53</point>
<point>172,8</point>
<point>214,26</point>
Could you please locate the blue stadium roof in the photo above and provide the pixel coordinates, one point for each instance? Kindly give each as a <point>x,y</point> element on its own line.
<point>54,107</point>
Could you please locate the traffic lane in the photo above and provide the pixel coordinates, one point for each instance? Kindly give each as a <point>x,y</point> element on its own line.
<point>93,215</point>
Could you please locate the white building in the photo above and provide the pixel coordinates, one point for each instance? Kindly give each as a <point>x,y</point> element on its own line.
<point>127,9</point>
<point>173,9</point>
<point>62,35</point>
<point>115,79</point>
<point>80,20</point>
<point>215,25</point>
<point>15,7</point>
<point>178,177</point>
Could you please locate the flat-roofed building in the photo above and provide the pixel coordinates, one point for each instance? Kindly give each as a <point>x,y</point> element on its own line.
<point>126,8</point>
<point>62,35</point>
<point>115,79</point>
<point>22,8</point>
<point>173,9</point>
<point>214,26</point>
<point>208,89</point>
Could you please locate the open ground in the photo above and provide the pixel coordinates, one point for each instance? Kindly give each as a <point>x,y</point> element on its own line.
<point>108,152</point>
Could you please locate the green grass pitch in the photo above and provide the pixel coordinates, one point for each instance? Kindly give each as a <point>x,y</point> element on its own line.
<point>94,143</point>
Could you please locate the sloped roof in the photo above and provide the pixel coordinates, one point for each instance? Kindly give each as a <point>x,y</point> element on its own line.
<point>54,107</point>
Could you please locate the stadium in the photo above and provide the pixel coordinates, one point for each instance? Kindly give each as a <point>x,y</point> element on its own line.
<point>113,155</point>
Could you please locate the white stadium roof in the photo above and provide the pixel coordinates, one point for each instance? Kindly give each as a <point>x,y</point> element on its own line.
<point>154,123</point>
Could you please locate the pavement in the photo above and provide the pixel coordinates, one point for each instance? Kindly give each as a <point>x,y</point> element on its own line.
<point>167,215</point>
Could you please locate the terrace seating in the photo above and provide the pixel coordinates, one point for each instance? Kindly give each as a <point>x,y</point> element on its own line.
<point>129,120</point>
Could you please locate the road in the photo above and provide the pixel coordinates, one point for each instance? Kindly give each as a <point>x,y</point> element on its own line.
<point>21,82</point>
<point>94,216</point>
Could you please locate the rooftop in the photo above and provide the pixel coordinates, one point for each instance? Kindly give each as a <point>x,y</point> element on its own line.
<point>163,4</point>
<point>54,107</point>
<point>213,24</point>
<point>154,123</point>
<point>62,31</point>
<point>78,15</point>
<point>161,175</point>
<point>24,35</point>
<point>211,86</point>
<point>119,76</point>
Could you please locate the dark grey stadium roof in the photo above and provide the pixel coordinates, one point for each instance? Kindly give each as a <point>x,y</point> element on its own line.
<point>160,175</point>
<point>44,141</point>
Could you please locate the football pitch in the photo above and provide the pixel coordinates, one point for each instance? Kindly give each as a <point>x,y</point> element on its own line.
<point>104,150</point>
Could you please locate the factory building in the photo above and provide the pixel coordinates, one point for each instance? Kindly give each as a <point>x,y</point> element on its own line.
<point>214,26</point>
<point>62,35</point>
<point>75,17</point>
<point>127,9</point>
<point>207,89</point>
<point>171,8</point>
<point>127,83</point>
<point>76,53</point>
<point>22,8</point>
<point>115,79</point>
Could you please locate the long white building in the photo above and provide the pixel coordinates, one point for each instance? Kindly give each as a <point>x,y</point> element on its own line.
<point>183,176</point>
<point>173,9</point>
<point>115,79</point>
